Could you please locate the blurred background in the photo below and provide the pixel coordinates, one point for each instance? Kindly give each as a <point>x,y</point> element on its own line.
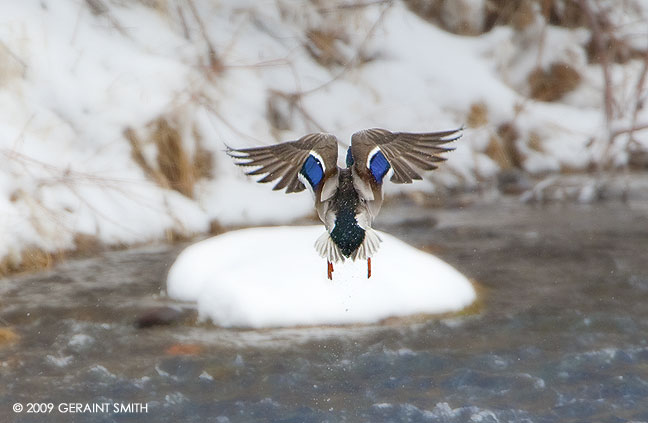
<point>116,113</point>
<point>115,117</point>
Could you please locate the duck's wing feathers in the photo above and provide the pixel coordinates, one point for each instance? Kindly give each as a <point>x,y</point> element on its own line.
<point>311,159</point>
<point>379,150</point>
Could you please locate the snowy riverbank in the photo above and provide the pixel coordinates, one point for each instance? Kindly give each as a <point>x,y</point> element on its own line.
<point>115,114</point>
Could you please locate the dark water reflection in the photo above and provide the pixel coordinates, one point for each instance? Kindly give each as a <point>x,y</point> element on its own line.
<point>559,335</point>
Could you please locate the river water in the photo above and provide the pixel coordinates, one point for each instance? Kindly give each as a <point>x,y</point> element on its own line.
<point>560,333</point>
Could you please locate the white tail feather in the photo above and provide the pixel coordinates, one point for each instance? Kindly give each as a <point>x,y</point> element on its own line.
<point>327,248</point>
<point>369,245</point>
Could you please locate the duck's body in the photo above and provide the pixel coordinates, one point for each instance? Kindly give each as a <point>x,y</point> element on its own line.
<point>345,205</point>
<point>346,199</point>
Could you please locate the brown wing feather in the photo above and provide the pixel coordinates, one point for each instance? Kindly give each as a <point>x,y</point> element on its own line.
<point>284,161</point>
<point>406,152</point>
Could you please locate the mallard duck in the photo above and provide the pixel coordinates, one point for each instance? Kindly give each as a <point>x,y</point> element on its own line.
<point>347,200</point>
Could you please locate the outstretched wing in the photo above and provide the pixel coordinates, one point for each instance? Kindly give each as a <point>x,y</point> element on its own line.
<point>379,150</point>
<point>311,159</point>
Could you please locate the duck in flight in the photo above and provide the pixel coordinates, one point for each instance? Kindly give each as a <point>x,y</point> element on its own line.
<point>347,200</point>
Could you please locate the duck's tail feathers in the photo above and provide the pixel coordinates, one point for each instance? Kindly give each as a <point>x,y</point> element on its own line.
<point>328,249</point>
<point>369,245</point>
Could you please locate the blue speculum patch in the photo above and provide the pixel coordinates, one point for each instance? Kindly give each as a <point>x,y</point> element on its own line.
<point>312,171</point>
<point>379,166</point>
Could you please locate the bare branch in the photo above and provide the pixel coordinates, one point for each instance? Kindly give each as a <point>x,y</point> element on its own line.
<point>14,56</point>
<point>214,61</point>
<point>204,101</point>
<point>597,38</point>
<point>280,62</point>
<point>99,8</point>
<point>183,21</point>
<point>630,130</point>
<point>356,56</point>
<point>295,101</point>
<point>639,89</point>
<point>358,5</point>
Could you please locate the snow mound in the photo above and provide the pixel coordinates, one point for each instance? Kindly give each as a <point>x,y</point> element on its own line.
<point>272,277</point>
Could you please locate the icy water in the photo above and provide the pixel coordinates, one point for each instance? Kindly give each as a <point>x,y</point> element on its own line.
<point>559,335</point>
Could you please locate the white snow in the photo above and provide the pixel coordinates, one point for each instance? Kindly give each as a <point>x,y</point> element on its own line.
<point>272,277</point>
<point>72,79</point>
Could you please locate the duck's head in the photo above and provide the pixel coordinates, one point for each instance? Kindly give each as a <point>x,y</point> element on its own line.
<point>349,158</point>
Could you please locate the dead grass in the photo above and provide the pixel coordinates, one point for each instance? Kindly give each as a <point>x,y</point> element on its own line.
<point>8,337</point>
<point>138,156</point>
<point>172,159</point>
<point>174,167</point>
<point>524,15</point>
<point>496,151</point>
<point>502,147</point>
<point>605,43</point>
<point>203,159</point>
<point>86,245</point>
<point>448,14</point>
<point>500,12</point>
<point>322,45</point>
<point>566,13</point>
<point>552,84</point>
<point>535,142</point>
<point>638,160</point>
<point>34,259</point>
<point>11,66</point>
<point>520,14</point>
<point>517,13</point>
<point>616,49</point>
<point>160,6</point>
<point>173,235</point>
<point>278,111</point>
<point>29,260</point>
<point>215,227</point>
<point>477,115</point>
<point>497,12</point>
<point>509,135</point>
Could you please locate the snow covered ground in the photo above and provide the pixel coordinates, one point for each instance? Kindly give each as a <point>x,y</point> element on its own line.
<point>269,277</point>
<point>97,95</point>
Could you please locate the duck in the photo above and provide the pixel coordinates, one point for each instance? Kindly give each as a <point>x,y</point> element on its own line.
<point>347,200</point>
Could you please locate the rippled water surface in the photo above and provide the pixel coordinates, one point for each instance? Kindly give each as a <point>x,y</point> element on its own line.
<point>559,334</point>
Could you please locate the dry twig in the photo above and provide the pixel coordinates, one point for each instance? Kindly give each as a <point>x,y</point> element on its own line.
<point>353,61</point>
<point>597,37</point>
<point>99,8</point>
<point>214,61</point>
<point>639,100</point>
